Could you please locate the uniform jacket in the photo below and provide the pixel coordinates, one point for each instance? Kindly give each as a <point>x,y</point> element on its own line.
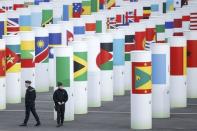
<point>30,96</point>
<point>60,95</point>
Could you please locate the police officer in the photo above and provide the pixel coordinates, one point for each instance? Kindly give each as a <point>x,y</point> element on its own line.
<point>60,97</point>
<point>30,97</point>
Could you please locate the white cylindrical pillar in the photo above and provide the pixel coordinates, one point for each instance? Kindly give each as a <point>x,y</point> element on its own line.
<point>90,24</point>
<point>105,63</point>
<point>178,63</point>
<point>191,63</point>
<point>80,76</point>
<point>160,80</point>
<point>141,108</point>
<point>64,73</point>
<point>13,68</point>
<point>118,61</point>
<point>27,58</point>
<point>94,78</point>
<point>42,59</point>
<point>2,75</point>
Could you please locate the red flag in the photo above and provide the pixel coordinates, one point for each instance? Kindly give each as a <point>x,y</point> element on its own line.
<point>2,63</point>
<point>103,57</point>
<point>69,36</point>
<point>140,40</point>
<point>191,53</point>
<point>11,58</point>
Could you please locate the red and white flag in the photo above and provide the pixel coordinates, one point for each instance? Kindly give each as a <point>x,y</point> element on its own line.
<point>193,21</point>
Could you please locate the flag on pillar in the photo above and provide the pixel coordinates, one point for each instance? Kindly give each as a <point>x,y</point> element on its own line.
<point>141,80</point>
<point>193,21</point>
<point>2,63</point>
<point>146,12</point>
<point>94,5</point>
<point>191,53</point>
<point>63,70</point>
<point>77,10</point>
<point>86,7</point>
<point>111,3</point>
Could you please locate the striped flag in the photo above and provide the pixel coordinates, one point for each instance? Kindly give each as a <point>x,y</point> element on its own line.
<point>146,12</point>
<point>111,23</point>
<point>129,17</point>
<point>193,21</point>
<point>12,25</point>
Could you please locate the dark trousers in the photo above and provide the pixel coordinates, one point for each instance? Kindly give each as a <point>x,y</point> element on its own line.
<point>31,108</point>
<point>60,113</point>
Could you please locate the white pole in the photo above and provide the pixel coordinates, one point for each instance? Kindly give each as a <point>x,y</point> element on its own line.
<point>141,109</point>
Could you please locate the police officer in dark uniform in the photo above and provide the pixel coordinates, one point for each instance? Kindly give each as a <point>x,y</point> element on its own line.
<point>30,98</point>
<point>60,97</point>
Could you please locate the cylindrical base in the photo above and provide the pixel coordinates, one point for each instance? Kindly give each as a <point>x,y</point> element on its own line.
<point>107,85</point>
<point>81,98</point>
<point>191,83</point>
<point>94,92</point>
<point>127,76</point>
<point>51,73</point>
<point>141,111</point>
<point>160,101</point>
<point>42,77</point>
<point>27,74</point>
<point>178,92</point>
<point>118,80</point>
<point>13,88</point>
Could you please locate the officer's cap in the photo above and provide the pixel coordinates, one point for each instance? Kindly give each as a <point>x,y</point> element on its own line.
<point>28,82</point>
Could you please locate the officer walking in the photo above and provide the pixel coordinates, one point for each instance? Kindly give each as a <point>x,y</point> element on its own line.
<point>30,97</point>
<point>60,97</point>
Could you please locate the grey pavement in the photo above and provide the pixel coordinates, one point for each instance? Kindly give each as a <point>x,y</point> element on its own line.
<point>112,116</point>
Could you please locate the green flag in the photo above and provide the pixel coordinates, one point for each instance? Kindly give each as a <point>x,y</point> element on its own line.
<point>94,5</point>
<point>63,70</point>
<point>98,26</point>
<point>47,17</point>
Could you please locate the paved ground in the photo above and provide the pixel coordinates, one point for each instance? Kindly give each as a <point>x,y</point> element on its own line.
<point>112,116</point>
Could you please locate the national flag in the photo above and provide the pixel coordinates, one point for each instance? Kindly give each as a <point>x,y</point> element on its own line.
<point>140,40</point>
<point>111,3</point>
<point>25,22</point>
<point>160,33</point>
<point>164,7</point>
<point>42,50</point>
<point>150,37</point>
<point>37,2</point>
<point>141,77</point>
<point>70,36</point>
<point>193,21</point>
<point>78,30</point>
<point>99,26</point>
<point>118,52</point>
<point>94,5</point>
<point>47,17</point>
<point>65,13</point>
<point>36,19</point>
<point>129,17</point>
<point>63,70</point>
<point>7,7</point>
<point>55,39</point>
<point>169,5</point>
<point>120,20</point>
<point>13,58</point>
<point>129,46</point>
<point>191,53</point>
<point>178,27</point>
<point>27,4</point>
<point>17,6</point>
<point>154,7</point>
<point>3,28</point>
<point>111,23</point>
<point>169,25</point>
<point>86,7</point>
<point>105,58</point>
<point>146,12</point>
<point>90,26</point>
<point>2,63</point>
<point>178,61</point>
<point>77,10</point>
<point>159,66</point>
<point>13,26</point>
<point>80,66</point>
<point>101,4</point>
<point>27,54</point>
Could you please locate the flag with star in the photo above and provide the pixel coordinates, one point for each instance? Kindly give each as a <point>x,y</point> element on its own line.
<point>13,58</point>
<point>141,77</point>
<point>77,10</point>
<point>42,50</point>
